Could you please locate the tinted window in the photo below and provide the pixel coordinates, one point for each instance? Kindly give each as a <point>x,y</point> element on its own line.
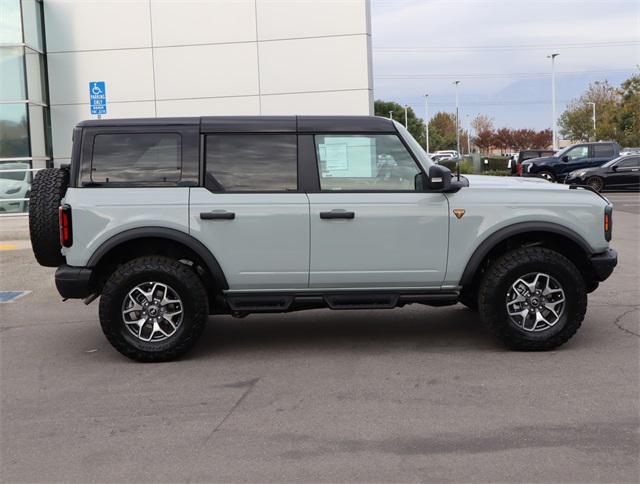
<point>252,162</point>
<point>602,150</point>
<point>629,163</point>
<point>365,162</point>
<point>136,157</point>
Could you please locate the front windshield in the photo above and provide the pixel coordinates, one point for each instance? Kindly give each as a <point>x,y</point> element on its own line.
<point>414,145</point>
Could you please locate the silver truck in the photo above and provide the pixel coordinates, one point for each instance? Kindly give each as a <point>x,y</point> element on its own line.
<point>171,220</point>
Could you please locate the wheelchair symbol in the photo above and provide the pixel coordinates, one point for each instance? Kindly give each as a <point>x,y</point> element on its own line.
<point>95,89</point>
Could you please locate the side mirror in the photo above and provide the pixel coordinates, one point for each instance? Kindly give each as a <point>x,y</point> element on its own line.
<point>614,168</point>
<point>439,178</point>
<point>565,158</point>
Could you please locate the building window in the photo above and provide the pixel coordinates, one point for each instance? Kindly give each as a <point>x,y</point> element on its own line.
<point>24,110</point>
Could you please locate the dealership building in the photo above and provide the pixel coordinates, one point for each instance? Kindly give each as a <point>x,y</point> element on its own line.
<point>150,58</point>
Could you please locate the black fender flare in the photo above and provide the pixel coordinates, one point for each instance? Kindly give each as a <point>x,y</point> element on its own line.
<point>519,228</point>
<point>163,233</point>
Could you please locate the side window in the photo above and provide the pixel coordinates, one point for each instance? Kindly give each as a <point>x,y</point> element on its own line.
<point>629,163</point>
<point>578,153</point>
<point>251,162</point>
<point>364,162</point>
<point>136,157</point>
<point>602,151</point>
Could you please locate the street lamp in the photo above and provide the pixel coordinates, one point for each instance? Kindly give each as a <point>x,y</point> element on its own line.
<point>468,135</point>
<point>406,117</point>
<point>593,117</point>
<point>553,99</point>
<point>456,83</point>
<point>426,121</point>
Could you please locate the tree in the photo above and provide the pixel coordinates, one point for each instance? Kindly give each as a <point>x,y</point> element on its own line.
<point>484,140</point>
<point>442,131</point>
<point>542,139</point>
<point>628,113</point>
<point>576,121</point>
<point>482,123</point>
<point>415,124</point>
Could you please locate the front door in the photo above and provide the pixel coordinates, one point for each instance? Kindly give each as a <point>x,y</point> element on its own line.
<point>624,174</point>
<point>250,214</point>
<point>370,228</point>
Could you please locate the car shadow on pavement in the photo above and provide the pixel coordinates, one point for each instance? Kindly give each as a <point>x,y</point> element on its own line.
<point>416,328</point>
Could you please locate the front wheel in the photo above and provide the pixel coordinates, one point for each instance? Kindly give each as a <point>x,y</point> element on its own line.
<point>596,183</point>
<point>533,299</point>
<point>153,309</point>
<point>547,175</point>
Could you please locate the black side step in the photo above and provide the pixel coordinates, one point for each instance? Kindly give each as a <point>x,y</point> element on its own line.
<point>361,301</point>
<point>263,304</point>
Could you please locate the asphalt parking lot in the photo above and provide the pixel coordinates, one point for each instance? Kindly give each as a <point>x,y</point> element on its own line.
<point>411,394</point>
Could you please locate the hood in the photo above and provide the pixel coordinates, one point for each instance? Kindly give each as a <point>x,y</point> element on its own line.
<point>484,181</point>
<point>540,161</point>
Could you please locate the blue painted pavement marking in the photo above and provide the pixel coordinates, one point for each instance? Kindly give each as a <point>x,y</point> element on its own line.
<point>10,296</point>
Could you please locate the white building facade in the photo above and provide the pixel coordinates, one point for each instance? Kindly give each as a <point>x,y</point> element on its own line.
<point>206,57</point>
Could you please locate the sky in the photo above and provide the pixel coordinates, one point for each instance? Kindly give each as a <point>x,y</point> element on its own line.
<point>497,49</point>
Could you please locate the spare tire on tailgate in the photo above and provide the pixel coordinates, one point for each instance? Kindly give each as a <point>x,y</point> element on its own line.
<point>47,189</point>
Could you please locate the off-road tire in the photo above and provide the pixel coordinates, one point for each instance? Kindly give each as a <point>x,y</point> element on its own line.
<point>47,189</point>
<point>504,271</point>
<point>169,271</point>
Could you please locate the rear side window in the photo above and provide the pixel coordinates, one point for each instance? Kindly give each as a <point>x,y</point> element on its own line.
<point>251,162</point>
<point>136,157</point>
<point>602,150</point>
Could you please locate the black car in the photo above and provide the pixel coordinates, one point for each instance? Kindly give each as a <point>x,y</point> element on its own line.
<point>618,174</point>
<point>515,163</point>
<point>572,158</point>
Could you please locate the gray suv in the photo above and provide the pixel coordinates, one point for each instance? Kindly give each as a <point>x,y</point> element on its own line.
<point>171,220</point>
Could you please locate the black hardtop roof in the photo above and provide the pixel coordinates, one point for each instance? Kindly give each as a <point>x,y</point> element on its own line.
<point>257,124</point>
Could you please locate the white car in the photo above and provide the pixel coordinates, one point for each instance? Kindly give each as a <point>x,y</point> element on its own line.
<point>447,154</point>
<point>14,185</point>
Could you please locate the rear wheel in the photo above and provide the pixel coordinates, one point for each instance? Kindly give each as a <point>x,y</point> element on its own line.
<point>153,309</point>
<point>595,182</point>
<point>533,299</point>
<point>47,189</point>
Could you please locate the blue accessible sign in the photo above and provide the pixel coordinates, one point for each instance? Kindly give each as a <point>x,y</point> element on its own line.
<point>98,97</point>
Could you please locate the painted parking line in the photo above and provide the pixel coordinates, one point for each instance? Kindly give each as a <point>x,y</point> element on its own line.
<point>8,246</point>
<point>10,296</point>
<point>15,244</point>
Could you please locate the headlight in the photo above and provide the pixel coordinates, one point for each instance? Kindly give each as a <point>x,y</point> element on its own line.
<point>578,173</point>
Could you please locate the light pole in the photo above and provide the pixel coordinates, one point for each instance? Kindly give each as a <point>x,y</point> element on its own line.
<point>553,99</point>
<point>468,135</point>
<point>426,121</point>
<point>456,83</point>
<point>593,117</point>
<point>406,117</point>
<point>390,114</point>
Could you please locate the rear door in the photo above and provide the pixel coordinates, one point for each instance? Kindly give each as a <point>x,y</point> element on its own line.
<point>249,213</point>
<point>370,227</point>
<point>600,154</point>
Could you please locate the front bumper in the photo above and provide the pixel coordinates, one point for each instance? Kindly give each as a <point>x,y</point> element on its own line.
<point>73,282</point>
<point>604,263</point>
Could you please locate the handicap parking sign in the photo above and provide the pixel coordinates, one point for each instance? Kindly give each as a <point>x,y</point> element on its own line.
<point>98,97</point>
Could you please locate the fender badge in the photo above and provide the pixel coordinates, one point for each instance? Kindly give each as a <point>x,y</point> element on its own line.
<point>459,212</point>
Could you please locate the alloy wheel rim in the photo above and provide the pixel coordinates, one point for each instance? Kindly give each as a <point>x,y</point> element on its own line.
<point>535,302</point>
<point>595,183</point>
<point>152,311</point>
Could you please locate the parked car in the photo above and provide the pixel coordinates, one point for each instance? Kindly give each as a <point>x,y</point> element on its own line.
<point>169,220</point>
<point>515,162</point>
<point>14,185</point>
<point>452,154</point>
<point>439,158</point>
<point>582,155</point>
<point>629,150</point>
<point>622,173</point>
